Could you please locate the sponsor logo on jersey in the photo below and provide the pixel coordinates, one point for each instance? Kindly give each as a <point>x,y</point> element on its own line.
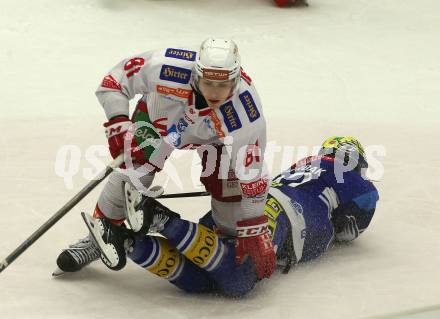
<point>109,82</point>
<point>112,131</point>
<point>216,75</point>
<point>230,185</point>
<point>183,93</point>
<point>189,115</point>
<point>173,136</point>
<point>272,210</point>
<point>188,118</point>
<point>208,124</point>
<point>181,125</point>
<point>254,188</point>
<point>230,116</point>
<point>217,124</point>
<point>180,54</point>
<point>296,207</point>
<point>166,260</point>
<point>204,249</point>
<point>251,231</point>
<point>175,74</point>
<point>249,106</point>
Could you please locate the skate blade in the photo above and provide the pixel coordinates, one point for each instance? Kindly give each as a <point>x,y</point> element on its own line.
<point>96,236</point>
<point>132,200</point>
<point>58,272</point>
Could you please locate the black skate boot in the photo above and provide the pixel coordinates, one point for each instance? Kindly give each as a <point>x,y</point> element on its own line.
<point>113,241</point>
<point>145,214</point>
<point>77,256</point>
<point>156,215</point>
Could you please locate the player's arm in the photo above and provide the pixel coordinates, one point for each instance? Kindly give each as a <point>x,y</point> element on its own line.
<point>358,198</point>
<point>128,78</point>
<point>352,218</point>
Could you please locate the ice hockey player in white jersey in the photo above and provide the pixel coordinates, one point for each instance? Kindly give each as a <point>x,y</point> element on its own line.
<point>190,100</point>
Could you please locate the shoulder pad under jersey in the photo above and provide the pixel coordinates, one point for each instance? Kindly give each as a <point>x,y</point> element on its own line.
<point>243,111</point>
<point>171,71</point>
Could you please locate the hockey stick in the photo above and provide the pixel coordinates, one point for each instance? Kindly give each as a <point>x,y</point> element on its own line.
<point>179,195</point>
<point>61,212</point>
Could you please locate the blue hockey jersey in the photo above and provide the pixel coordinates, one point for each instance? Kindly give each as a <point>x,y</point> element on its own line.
<point>314,203</point>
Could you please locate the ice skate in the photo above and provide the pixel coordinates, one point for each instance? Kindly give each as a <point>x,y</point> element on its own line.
<point>77,256</point>
<point>113,241</point>
<point>145,214</point>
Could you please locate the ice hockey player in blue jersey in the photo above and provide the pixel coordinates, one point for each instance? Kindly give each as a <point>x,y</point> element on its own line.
<point>319,200</point>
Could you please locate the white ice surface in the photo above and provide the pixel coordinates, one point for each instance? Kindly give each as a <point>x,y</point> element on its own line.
<point>364,68</point>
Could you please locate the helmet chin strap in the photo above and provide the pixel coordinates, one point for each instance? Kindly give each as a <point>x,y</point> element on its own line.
<point>200,101</point>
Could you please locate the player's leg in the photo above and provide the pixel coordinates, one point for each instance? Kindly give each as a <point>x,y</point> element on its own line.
<point>158,256</point>
<point>202,247</point>
<point>110,204</point>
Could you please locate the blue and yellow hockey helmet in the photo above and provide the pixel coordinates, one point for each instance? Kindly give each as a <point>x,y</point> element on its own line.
<point>347,147</point>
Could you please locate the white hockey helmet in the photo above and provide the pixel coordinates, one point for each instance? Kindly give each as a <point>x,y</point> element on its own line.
<point>217,60</point>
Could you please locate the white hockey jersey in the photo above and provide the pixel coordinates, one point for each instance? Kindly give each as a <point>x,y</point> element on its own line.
<point>163,77</point>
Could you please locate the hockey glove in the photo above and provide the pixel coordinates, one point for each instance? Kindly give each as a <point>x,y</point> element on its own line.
<point>254,240</point>
<point>116,131</point>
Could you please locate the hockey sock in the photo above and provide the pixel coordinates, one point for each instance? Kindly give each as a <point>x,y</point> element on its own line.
<point>196,242</point>
<point>156,255</point>
<point>203,247</point>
